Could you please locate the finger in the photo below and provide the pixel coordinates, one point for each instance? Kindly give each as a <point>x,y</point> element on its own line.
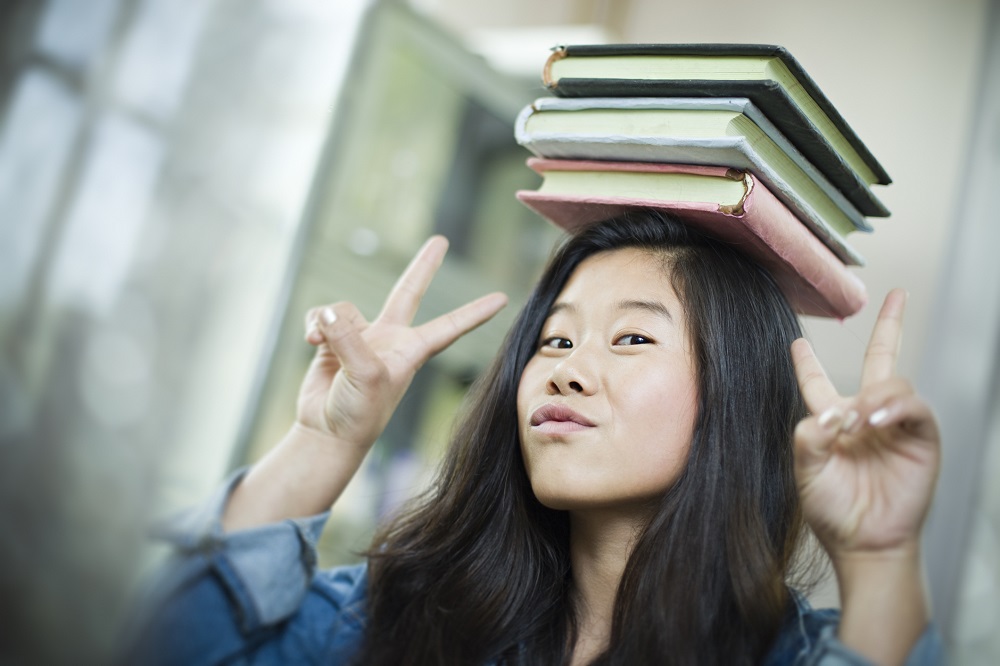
<point>313,334</point>
<point>817,389</point>
<point>894,402</point>
<point>883,348</point>
<point>444,330</point>
<point>404,299</point>
<point>910,413</point>
<point>341,327</point>
<point>874,396</point>
<point>814,440</point>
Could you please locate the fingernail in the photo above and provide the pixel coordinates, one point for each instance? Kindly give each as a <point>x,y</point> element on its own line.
<point>830,418</point>
<point>850,421</point>
<point>328,316</point>
<point>879,417</point>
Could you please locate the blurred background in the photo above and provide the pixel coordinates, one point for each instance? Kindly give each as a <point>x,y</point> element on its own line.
<point>181,179</point>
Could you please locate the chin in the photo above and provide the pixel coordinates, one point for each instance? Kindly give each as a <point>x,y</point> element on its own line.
<point>557,503</point>
<point>558,499</point>
<point>554,496</point>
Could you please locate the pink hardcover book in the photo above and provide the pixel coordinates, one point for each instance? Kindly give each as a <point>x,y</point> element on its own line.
<point>814,280</point>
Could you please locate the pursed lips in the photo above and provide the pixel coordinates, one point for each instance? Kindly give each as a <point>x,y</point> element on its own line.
<point>558,419</point>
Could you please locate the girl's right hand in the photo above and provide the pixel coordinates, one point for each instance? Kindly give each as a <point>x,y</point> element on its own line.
<point>361,370</point>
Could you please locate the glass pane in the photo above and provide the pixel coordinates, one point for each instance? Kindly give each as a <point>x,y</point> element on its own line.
<point>158,52</point>
<point>76,32</point>
<point>35,142</point>
<point>106,214</point>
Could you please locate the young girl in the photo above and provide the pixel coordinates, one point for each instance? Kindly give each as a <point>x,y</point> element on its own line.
<point>627,486</point>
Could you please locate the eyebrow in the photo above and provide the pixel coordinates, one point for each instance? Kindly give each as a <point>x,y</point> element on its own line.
<point>560,307</point>
<point>655,307</point>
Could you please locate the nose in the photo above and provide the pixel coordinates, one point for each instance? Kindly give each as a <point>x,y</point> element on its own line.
<point>572,375</point>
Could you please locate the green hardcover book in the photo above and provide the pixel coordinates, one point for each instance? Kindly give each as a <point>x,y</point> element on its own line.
<point>768,75</point>
<point>706,131</point>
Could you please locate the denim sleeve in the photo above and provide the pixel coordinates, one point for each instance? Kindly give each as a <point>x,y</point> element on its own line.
<point>809,638</point>
<point>248,597</point>
<point>829,651</point>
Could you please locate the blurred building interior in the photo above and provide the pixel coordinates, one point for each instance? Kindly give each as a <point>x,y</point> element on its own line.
<point>180,180</point>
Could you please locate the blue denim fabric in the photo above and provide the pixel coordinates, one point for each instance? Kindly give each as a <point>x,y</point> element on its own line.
<point>809,638</point>
<point>255,597</point>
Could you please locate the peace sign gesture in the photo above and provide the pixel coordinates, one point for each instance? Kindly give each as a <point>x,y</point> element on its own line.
<point>355,381</point>
<point>361,370</point>
<point>865,465</point>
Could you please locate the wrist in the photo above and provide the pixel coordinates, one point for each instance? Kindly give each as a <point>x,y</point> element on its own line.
<point>310,436</point>
<point>877,576</point>
<point>302,476</point>
<point>884,601</point>
<point>861,561</point>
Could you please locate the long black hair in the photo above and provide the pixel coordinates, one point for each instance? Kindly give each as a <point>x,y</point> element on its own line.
<point>477,570</point>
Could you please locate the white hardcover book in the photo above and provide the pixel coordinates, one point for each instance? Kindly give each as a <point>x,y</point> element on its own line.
<point>704,131</point>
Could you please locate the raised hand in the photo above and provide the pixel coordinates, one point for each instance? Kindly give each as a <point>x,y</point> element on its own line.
<point>866,464</point>
<point>356,380</point>
<point>361,370</point>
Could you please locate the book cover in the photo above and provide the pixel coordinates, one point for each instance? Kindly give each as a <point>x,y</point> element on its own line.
<point>814,280</point>
<point>817,203</point>
<point>774,98</point>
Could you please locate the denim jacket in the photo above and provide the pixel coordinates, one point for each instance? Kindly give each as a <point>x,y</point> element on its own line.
<point>255,597</point>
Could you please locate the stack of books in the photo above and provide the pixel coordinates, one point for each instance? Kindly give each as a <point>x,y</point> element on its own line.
<point>735,139</point>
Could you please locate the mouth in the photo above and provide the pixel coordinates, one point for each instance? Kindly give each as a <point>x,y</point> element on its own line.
<point>558,419</point>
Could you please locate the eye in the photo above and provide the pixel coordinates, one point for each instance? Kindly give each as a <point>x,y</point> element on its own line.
<point>556,342</point>
<point>633,339</point>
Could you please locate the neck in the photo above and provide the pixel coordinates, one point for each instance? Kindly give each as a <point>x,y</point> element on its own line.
<point>600,545</point>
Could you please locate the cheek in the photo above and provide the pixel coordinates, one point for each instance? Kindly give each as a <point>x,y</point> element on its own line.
<point>660,410</point>
<point>663,441</point>
<point>530,390</point>
<point>667,388</point>
<point>527,387</point>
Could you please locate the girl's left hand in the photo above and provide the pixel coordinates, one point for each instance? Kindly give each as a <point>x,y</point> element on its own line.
<point>866,465</point>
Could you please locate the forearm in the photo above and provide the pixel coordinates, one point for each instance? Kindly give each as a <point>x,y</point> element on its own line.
<point>885,604</point>
<point>302,475</point>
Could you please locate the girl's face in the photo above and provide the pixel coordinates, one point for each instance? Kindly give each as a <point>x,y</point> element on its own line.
<point>606,406</point>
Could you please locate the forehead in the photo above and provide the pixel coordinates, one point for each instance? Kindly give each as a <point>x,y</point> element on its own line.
<point>617,274</point>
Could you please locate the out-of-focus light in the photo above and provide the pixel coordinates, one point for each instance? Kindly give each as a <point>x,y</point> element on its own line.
<point>42,121</point>
<point>159,51</point>
<point>522,51</point>
<point>76,32</point>
<point>106,215</point>
<point>363,242</point>
<point>405,163</point>
<point>114,383</point>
